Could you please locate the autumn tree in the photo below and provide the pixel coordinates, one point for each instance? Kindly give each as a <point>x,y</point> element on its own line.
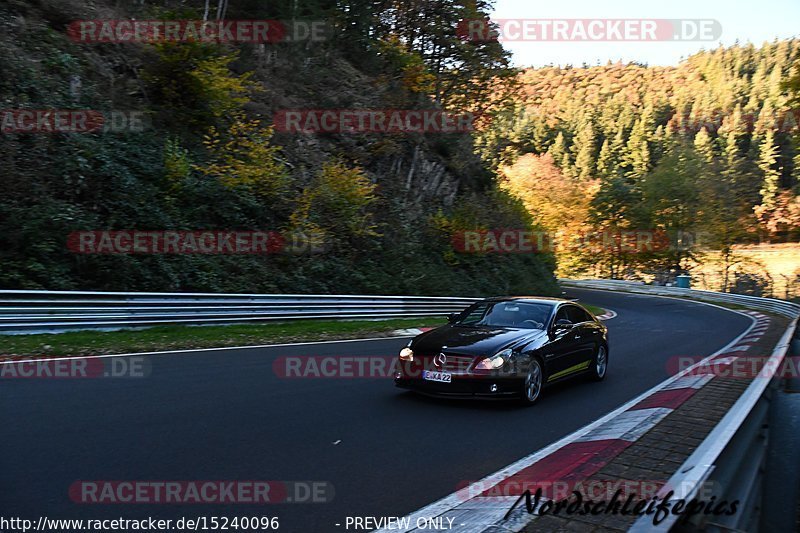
<point>335,207</point>
<point>242,157</point>
<point>558,203</point>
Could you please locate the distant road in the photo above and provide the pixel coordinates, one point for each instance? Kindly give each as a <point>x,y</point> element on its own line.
<point>224,415</point>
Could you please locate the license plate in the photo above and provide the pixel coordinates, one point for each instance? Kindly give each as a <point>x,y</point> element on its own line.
<point>443,377</point>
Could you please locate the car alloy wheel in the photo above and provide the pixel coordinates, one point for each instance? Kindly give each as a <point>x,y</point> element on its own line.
<point>533,383</point>
<point>600,363</point>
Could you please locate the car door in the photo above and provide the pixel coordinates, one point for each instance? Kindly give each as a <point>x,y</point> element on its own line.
<point>586,332</point>
<point>560,353</point>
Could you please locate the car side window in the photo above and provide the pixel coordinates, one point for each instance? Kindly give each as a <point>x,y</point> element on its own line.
<point>474,315</point>
<point>576,315</point>
<point>588,317</point>
<point>562,315</point>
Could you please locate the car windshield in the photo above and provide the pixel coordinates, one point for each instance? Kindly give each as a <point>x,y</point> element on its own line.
<point>506,314</point>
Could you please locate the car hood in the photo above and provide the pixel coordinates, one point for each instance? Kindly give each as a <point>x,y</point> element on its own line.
<point>475,340</point>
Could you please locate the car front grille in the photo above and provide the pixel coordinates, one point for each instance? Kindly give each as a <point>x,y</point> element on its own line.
<point>454,363</point>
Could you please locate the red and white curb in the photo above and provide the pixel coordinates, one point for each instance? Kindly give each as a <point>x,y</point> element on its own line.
<point>482,505</point>
<point>608,315</point>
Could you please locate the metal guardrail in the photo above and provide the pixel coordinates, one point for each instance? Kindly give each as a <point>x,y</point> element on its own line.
<point>57,311</point>
<point>751,455</point>
<point>772,305</point>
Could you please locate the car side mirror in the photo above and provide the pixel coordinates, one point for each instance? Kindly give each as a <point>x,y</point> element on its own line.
<point>451,317</point>
<point>562,324</point>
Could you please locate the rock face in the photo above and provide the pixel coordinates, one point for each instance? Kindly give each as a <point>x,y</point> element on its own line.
<point>422,172</point>
<point>427,179</point>
<point>417,179</point>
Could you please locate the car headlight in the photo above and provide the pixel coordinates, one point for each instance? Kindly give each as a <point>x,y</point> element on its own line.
<point>407,354</point>
<point>495,361</point>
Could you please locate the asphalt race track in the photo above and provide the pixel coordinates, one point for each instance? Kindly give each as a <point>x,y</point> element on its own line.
<point>225,415</point>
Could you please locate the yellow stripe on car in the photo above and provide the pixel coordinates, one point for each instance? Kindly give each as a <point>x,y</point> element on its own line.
<point>570,370</point>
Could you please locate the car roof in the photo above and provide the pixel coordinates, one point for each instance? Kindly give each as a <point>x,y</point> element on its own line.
<point>529,299</point>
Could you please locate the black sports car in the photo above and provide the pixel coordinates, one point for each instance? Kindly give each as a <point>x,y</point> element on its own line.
<point>505,347</point>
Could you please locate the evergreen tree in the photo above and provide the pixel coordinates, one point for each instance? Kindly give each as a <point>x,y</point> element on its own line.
<point>704,146</point>
<point>584,158</point>
<point>606,162</point>
<point>770,177</point>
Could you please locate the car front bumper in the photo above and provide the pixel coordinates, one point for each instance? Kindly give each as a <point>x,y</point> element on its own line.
<point>463,388</point>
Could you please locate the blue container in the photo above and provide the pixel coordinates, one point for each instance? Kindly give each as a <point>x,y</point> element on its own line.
<point>683,281</point>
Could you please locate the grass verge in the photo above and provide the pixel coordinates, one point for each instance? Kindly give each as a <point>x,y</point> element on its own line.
<point>182,337</point>
<point>596,311</point>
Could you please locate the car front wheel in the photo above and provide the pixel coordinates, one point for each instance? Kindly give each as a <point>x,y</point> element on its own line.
<point>600,363</point>
<point>534,381</point>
